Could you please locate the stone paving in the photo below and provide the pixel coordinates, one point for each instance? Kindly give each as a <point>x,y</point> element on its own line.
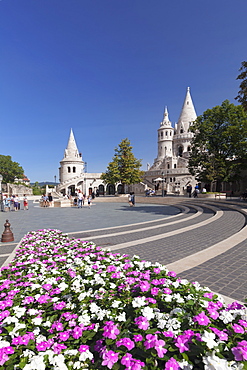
<point>159,229</point>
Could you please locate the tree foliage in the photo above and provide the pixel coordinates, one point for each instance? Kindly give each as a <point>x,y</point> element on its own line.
<point>242,94</point>
<point>124,168</point>
<point>219,147</point>
<point>9,169</point>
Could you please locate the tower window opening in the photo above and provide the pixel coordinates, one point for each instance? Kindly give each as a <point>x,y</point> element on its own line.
<point>161,134</point>
<point>180,151</point>
<point>170,179</point>
<point>69,169</point>
<point>166,133</point>
<point>74,169</point>
<point>170,133</point>
<point>168,166</point>
<point>175,166</point>
<point>188,149</point>
<point>181,131</point>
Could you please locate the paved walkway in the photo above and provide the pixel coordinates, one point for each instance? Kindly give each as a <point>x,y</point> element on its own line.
<point>200,240</point>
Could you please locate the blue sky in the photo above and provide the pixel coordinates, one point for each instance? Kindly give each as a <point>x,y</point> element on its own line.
<point>107,69</point>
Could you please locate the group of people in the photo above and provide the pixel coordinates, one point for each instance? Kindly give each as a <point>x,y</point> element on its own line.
<point>81,198</point>
<point>13,202</point>
<point>47,200</point>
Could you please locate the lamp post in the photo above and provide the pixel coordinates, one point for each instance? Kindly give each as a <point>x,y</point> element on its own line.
<point>1,195</point>
<point>162,173</point>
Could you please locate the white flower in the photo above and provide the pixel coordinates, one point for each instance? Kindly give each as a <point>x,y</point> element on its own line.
<point>86,355</point>
<point>62,286</point>
<point>185,365</point>
<point>77,365</point>
<point>37,320</point>
<point>226,317</point>
<point>8,320</point>
<point>33,312</point>
<point>139,302</point>
<point>71,352</point>
<point>112,286</point>
<point>84,319</point>
<point>148,312</point>
<point>209,339</point>
<point>213,362</point>
<point>93,307</point>
<point>4,343</point>
<point>121,317</point>
<point>19,311</point>
<point>115,304</point>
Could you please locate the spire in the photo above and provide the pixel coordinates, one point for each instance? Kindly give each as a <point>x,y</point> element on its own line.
<point>166,122</point>
<point>188,113</point>
<point>71,152</point>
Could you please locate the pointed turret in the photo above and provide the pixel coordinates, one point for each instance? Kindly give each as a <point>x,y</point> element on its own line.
<point>71,152</point>
<point>187,115</point>
<point>72,164</point>
<point>166,122</point>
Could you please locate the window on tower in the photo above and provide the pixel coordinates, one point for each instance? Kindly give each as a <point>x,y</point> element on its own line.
<point>74,169</point>
<point>69,170</point>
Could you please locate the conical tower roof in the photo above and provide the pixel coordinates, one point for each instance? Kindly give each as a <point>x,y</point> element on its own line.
<point>71,153</point>
<point>188,113</point>
<point>166,122</point>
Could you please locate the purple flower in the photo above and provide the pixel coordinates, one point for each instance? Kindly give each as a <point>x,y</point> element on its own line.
<point>142,322</point>
<point>57,348</point>
<point>155,291</point>
<point>167,291</point>
<point>137,338</point>
<point>59,306</point>
<point>126,359</point>
<point>240,352</point>
<point>110,330</point>
<point>77,332</point>
<point>150,341</point>
<point>47,286</point>
<point>57,325</point>
<point>127,342</point>
<point>28,300</point>
<point>172,364</point>
<point>43,298</point>
<point>238,328</point>
<point>144,286</point>
<point>202,319</point>
<point>42,346</point>
<point>83,348</point>
<point>159,346</point>
<point>182,343</point>
<point>109,359</point>
<point>63,336</point>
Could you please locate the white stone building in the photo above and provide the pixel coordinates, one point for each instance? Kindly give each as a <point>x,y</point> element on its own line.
<point>72,175</point>
<point>171,164</point>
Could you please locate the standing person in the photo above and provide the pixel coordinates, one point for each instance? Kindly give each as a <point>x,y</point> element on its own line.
<point>79,199</point>
<point>89,201</point>
<point>50,199</point>
<point>25,203</point>
<point>189,190</point>
<point>133,198</point>
<point>16,203</point>
<point>7,201</point>
<point>130,199</point>
<point>45,200</point>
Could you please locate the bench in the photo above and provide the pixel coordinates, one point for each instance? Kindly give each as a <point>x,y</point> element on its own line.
<point>220,195</point>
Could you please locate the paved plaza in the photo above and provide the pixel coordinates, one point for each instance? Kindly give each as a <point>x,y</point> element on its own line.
<point>202,240</point>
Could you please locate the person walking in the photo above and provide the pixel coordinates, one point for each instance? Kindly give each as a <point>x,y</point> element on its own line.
<point>25,203</point>
<point>189,190</point>
<point>89,201</point>
<point>133,198</point>
<point>79,199</point>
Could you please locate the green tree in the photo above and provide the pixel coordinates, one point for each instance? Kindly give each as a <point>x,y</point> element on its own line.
<point>242,94</point>
<point>9,169</point>
<point>219,147</point>
<point>124,168</point>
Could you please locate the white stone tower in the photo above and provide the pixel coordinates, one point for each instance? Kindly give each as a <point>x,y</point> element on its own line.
<point>165,138</point>
<point>72,164</point>
<point>182,135</point>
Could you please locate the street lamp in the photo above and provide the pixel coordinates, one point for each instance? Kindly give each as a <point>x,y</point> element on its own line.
<point>1,195</point>
<point>162,173</point>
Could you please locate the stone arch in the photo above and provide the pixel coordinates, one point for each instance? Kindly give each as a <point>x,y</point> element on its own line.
<point>110,189</point>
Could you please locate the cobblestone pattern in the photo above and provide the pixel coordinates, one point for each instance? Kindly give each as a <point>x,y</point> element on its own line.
<point>176,247</point>
<point>225,274</point>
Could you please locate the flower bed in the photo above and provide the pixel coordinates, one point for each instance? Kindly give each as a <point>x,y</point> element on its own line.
<point>67,304</point>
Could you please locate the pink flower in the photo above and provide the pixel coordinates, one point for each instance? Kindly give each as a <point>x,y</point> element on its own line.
<point>126,359</point>
<point>159,346</point>
<point>202,319</point>
<point>127,342</point>
<point>172,364</point>
<point>144,286</point>
<point>3,356</point>
<point>59,306</point>
<point>63,336</point>
<point>150,341</point>
<point>110,330</point>
<point>42,346</point>
<point>167,291</point>
<point>137,338</point>
<point>77,332</point>
<point>47,286</point>
<point>28,300</point>
<point>110,358</point>
<point>142,322</point>
<point>155,291</point>
<point>83,348</point>
<point>182,343</point>
<point>57,325</point>
<point>43,298</point>
<point>57,348</point>
<point>238,328</point>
